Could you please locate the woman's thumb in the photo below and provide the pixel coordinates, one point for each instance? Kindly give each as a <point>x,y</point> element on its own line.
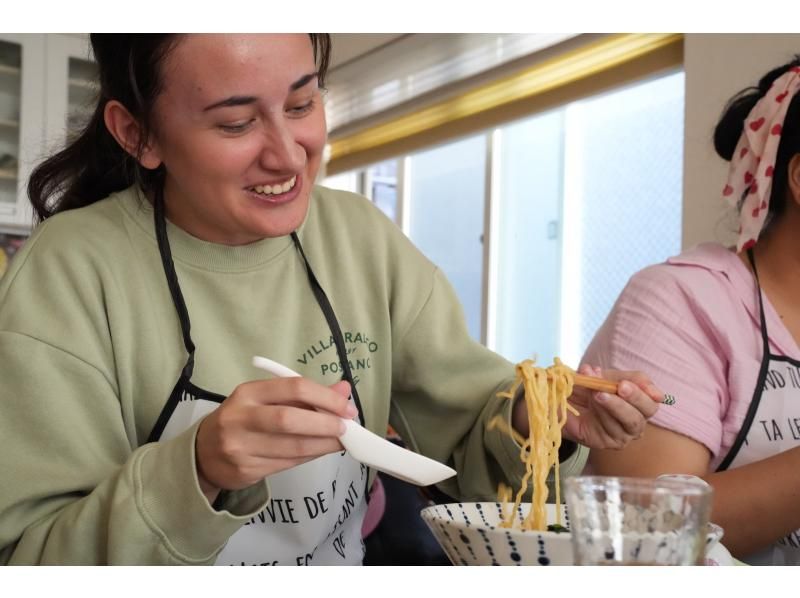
<point>342,387</point>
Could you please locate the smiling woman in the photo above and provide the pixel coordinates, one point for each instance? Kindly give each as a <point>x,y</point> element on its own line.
<point>181,234</point>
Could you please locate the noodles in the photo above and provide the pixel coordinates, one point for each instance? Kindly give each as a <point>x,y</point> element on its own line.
<point>545,392</point>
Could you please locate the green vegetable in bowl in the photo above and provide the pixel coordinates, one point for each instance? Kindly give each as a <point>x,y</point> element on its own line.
<point>559,529</point>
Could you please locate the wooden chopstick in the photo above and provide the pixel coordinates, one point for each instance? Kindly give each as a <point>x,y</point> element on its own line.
<point>608,386</point>
<point>593,383</point>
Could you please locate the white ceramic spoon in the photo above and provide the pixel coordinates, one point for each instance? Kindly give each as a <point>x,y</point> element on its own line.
<point>374,451</point>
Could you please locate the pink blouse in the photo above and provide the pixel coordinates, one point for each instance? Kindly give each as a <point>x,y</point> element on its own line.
<point>692,325</point>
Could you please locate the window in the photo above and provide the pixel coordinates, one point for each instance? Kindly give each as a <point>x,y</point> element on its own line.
<point>528,256</point>
<point>623,198</point>
<point>589,194</point>
<point>445,216</point>
<point>582,197</point>
<point>377,182</point>
<point>381,187</point>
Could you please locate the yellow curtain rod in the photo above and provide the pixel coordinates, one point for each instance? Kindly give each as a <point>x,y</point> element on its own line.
<point>571,66</point>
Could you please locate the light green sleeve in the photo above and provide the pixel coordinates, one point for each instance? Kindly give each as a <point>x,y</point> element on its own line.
<point>445,387</point>
<point>74,491</point>
<point>76,487</point>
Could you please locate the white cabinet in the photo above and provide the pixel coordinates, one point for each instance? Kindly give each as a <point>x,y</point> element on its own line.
<point>22,84</point>
<point>71,85</point>
<point>47,85</point>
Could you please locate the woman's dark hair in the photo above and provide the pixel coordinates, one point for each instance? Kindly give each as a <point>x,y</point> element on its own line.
<point>731,124</point>
<point>93,164</point>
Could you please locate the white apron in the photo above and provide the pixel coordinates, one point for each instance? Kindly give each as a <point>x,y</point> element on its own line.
<point>771,426</point>
<point>316,510</point>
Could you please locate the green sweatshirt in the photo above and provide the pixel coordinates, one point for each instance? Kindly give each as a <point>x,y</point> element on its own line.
<point>90,348</point>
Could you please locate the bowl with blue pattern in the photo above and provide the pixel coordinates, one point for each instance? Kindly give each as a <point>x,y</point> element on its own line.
<point>470,534</point>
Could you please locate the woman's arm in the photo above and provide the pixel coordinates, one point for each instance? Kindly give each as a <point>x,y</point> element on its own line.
<point>76,490</point>
<point>445,393</point>
<point>756,504</point>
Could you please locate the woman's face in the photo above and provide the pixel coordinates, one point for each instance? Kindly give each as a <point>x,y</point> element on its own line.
<point>240,128</point>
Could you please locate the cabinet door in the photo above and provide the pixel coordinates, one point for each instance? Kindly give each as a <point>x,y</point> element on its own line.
<point>22,75</point>
<point>72,87</point>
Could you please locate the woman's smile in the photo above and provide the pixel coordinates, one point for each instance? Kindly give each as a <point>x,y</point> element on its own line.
<point>277,193</point>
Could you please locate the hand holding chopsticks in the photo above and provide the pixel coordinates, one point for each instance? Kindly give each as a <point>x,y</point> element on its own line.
<point>618,413</point>
<point>615,414</point>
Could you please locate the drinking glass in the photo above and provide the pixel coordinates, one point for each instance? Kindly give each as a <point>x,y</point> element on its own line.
<point>637,521</point>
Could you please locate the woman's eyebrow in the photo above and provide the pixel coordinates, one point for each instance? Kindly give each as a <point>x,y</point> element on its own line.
<point>244,100</point>
<point>231,101</point>
<point>303,81</point>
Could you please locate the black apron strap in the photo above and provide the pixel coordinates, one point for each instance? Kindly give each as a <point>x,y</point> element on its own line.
<point>762,375</point>
<point>333,324</point>
<point>172,279</point>
<point>183,389</point>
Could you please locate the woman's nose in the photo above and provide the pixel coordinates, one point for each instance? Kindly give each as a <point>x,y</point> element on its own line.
<point>281,150</point>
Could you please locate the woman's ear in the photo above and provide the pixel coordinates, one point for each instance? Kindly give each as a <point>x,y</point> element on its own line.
<point>127,131</point>
<point>793,174</point>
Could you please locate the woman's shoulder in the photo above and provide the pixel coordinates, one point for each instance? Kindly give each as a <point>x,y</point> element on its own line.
<point>357,217</point>
<point>73,240</point>
<point>361,231</point>
<point>672,309</point>
<point>337,203</point>
<point>708,268</point>
<point>705,286</point>
<point>103,219</point>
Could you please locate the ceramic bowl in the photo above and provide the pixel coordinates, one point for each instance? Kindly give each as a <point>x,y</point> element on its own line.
<point>470,534</point>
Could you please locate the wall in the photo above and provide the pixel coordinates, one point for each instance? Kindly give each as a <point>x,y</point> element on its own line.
<point>717,66</point>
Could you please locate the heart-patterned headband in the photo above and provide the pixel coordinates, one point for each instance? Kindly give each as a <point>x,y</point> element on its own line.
<point>753,162</point>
